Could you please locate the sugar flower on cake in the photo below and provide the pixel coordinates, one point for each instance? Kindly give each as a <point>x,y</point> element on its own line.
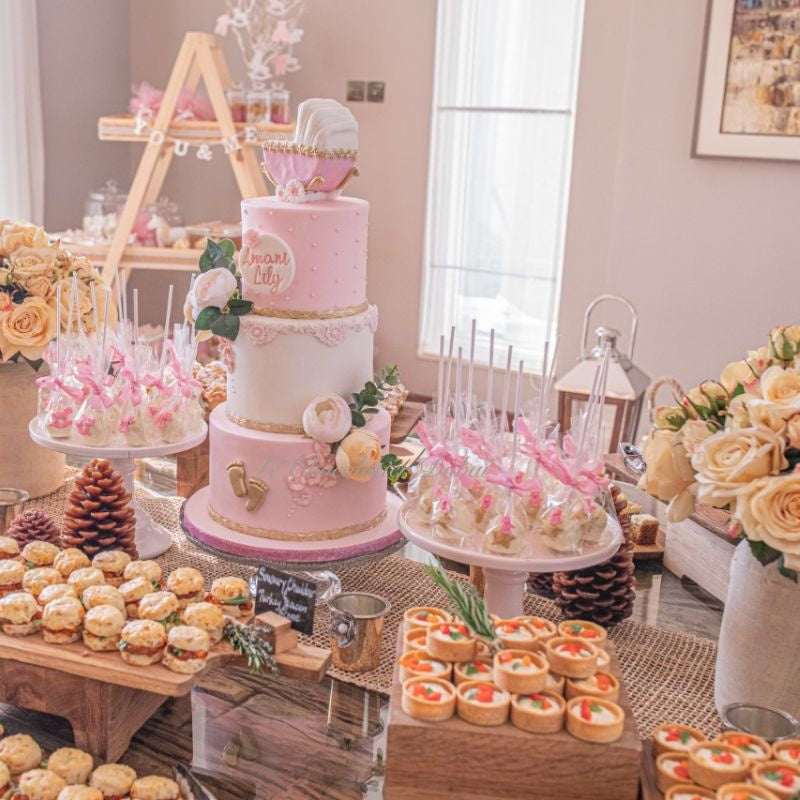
<point>327,418</point>
<point>212,288</point>
<point>292,191</point>
<point>359,455</point>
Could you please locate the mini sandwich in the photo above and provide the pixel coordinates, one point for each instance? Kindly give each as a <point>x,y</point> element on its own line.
<point>142,642</point>
<point>187,649</point>
<point>73,765</point>
<point>154,787</point>
<point>20,615</point>
<point>39,554</point>
<point>145,569</point>
<point>132,592</point>
<point>39,784</point>
<point>20,753</point>
<point>77,792</point>
<point>207,617</point>
<point>102,626</point>
<point>112,564</point>
<point>9,549</point>
<point>55,592</point>
<point>84,577</point>
<point>67,561</point>
<point>34,580</point>
<point>232,595</point>
<point>102,595</point>
<point>11,574</point>
<point>160,607</point>
<point>113,780</point>
<point>5,780</point>
<point>187,584</point>
<point>61,621</point>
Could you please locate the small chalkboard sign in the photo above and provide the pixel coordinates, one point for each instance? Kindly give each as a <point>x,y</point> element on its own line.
<point>291,597</point>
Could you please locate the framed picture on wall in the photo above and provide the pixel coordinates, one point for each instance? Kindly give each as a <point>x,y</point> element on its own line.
<point>749,103</point>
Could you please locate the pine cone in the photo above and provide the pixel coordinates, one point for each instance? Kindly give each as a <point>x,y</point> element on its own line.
<point>603,593</point>
<point>541,583</point>
<point>33,525</point>
<point>99,515</point>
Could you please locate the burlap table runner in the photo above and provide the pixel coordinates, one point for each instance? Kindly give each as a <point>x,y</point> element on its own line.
<point>669,675</point>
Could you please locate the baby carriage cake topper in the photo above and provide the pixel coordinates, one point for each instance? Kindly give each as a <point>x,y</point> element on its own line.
<point>320,159</point>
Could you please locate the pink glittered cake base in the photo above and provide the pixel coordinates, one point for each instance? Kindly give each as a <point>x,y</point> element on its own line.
<point>199,525</point>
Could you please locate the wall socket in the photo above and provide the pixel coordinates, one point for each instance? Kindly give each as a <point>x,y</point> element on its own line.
<point>371,91</point>
<point>375,91</point>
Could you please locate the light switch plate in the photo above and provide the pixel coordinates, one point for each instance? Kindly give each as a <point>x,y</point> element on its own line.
<point>356,91</point>
<point>375,91</point>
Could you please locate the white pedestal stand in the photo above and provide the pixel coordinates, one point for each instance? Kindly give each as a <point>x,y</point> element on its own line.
<point>506,575</point>
<point>152,539</point>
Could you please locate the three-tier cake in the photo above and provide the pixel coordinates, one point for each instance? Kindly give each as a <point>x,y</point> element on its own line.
<point>292,474</point>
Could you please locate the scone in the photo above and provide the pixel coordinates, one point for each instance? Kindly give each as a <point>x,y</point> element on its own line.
<point>73,765</point>
<point>113,780</point>
<point>102,626</point>
<point>160,607</point>
<point>11,575</point>
<point>207,617</point>
<point>39,554</point>
<point>155,787</point>
<point>102,595</point>
<point>39,784</point>
<point>70,559</point>
<point>34,580</point>
<point>55,592</point>
<point>142,642</point>
<point>84,577</point>
<point>187,649</point>
<point>20,614</point>
<point>62,620</point>
<point>146,568</point>
<point>187,584</point>
<point>112,564</point>
<point>132,592</point>
<point>20,753</point>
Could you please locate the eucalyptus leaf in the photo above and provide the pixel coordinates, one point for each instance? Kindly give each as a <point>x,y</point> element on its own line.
<point>228,247</point>
<point>240,307</point>
<point>358,419</point>
<point>370,410</point>
<point>206,318</point>
<point>785,571</point>
<point>205,263</point>
<point>763,552</point>
<point>227,326</point>
<point>738,390</point>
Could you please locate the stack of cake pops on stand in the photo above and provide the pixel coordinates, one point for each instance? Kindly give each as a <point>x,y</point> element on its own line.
<point>512,499</point>
<point>110,396</point>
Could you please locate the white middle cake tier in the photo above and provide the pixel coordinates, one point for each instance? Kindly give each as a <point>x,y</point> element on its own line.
<point>277,366</point>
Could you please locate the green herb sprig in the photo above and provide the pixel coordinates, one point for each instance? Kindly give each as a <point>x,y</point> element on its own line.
<point>247,642</point>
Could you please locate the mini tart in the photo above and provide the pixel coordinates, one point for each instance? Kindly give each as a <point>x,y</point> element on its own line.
<point>482,703</point>
<point>539,712</point>
<point>584,631</point>
<point>744,791</point>
<point>517,635</point>
<point>429,699</point>
<point>689,791</point>
<point>572,658</point>
<point>555,683</point>
<point>424,617</point>
<point>671,738</point>
<point>417,663</point>
<point>787,751</point>
<point>603,661</point>
<point>594,720</point>
<point>754,747</point>
<point>520,671</point>
<point>450,641</point>
<point>543,628</point>
<point>713,764</point>
<point>414,639</point>
<point>672,769</point>
<point>601,684</point>
<point>780,778</point>
<point>479,669</point>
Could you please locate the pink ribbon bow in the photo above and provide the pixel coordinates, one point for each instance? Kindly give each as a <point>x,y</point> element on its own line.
<point>54,382</point>
<point>97,398</point>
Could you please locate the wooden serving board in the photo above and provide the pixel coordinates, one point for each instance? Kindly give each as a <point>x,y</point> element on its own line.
<point>407,417</point>
<point>433,761</point>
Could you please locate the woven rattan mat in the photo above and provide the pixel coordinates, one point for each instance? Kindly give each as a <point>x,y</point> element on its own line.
<point>669,675</point>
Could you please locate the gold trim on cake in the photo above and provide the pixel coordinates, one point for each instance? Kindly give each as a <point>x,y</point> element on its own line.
<point>310,536</point>
<point>284,146</point>
<point>267,427</point>
<point>280,313</point>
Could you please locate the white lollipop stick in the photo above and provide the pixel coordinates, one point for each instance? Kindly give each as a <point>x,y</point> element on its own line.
<point>58,330</point>
<point>93,294</point>
<point>515,435</point>
<point>440,382</point>
<point>449,371</point>
<point>136,333</point>
<point>490,375</point>
<point>102,359</point>
<point>457,431</point>
<point>542,391</point>
<point>506,388</point>
<point>471,368</point>
<point>166,329</point>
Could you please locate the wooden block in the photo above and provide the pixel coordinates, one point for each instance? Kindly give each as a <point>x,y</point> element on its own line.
<point>429,761</point>
<point>283,636</point>
<point>276,621</point>
<point>288,640</point>
<point>192,469</point>
<point>305,662</point>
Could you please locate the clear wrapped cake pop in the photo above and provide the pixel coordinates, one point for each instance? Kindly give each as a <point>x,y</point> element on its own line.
<point>507,531</point>
<point>452,510</point>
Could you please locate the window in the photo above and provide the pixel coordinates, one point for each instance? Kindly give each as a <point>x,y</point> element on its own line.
<point>501,150</point>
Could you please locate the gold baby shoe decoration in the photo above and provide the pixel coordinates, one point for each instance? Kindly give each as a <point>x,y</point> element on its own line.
<point>256,492</point>
<point>236,475</point>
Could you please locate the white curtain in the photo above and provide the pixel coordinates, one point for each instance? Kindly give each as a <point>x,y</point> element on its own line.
<point>21,129</point>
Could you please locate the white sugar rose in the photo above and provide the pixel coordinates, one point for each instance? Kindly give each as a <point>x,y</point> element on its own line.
<point>358,457</point>
<point>327,418</point>
<point>669,472</point>
<point>769,510</point>
<point>729,460</point>
<point>212,288</point>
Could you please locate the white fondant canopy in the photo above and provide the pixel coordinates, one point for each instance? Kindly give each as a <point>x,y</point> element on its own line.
<point>326,124</point>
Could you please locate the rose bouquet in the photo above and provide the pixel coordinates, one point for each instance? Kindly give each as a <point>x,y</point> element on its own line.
<point>31,269</point>
<point>735,443</point>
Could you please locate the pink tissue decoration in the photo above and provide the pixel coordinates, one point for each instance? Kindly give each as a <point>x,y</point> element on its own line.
<point>191,105</point>
<point>145,98</point>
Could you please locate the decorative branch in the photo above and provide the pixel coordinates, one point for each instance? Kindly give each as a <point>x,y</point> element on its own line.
<point>247,642</point>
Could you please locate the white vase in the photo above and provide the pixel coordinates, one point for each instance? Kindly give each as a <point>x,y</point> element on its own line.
<point>758,660</point>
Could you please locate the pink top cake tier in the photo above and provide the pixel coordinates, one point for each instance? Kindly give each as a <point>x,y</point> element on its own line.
<point>305,258</point>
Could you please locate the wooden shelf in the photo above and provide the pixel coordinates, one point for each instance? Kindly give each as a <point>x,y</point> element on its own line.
<point>161,258</point>
<point>122,127</point>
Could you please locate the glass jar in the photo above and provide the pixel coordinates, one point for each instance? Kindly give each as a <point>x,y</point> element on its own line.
<point>279,111</point>
<point>101,212</point>
<point>258,105</point>
<point>237,101</point>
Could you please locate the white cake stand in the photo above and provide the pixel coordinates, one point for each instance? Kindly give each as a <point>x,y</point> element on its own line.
<point>506,575</point>
<point>152,539</point>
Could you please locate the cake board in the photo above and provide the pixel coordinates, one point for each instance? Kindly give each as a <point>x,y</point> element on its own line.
<point>315,559</point>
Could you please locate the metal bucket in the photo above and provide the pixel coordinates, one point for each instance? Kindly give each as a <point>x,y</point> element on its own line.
<point>11,504</point>
<point>356,628</point>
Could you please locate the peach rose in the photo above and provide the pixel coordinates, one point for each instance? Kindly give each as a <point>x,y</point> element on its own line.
<point>729,460</point>
<point>359,455</point>
<point>781,387</point>
<point>670,417</point>
<point>27,329</point>
<point>669,472</point>
<point>14,235</point>
<point>693,434</point>
<point>769,510</point>
<point>793,431</point>
<point>33,262</point>
<point>735,373</point>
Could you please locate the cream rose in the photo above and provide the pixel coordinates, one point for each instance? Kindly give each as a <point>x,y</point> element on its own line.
<point>769,510</point>
<point>33,262</point>
<point>27,328</point>
<point>671,417</point>
<point>327,418</point>
<point>729,460</point>
<point>781,387</point>
<point>793,431</point>
<point>17,234</point>
<point>212,288</point>
<point>669,472</point>
<point>693,434</point>
<point>359,455</point>
<point>735,373</point>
